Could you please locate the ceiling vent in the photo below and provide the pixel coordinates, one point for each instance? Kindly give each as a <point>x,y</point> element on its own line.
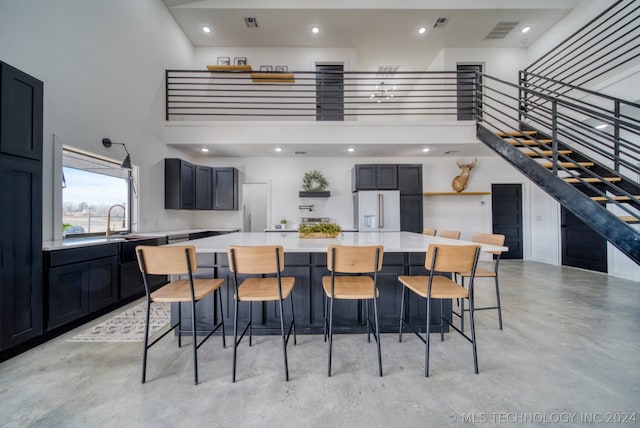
<point>501,30</point>
<point>386,70</point>
<point>300,153</point>
<point>440,22</point>
<point>251,22</point>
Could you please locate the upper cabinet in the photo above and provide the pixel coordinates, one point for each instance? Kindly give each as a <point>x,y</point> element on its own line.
<point>374,177</point>
<point>188,186</point>
<point>410,179</point>
<point>179,184</point>
<point>204,186</point>
<point>225,189</point>
<point>20,113</point>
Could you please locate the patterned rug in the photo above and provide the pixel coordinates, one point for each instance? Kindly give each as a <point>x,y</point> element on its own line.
<point>127,326</point>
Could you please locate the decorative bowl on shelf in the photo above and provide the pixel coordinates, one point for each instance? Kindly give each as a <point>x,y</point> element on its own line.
<point>324,230</point>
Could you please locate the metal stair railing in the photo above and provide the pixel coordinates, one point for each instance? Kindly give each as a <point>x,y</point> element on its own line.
<point>566,121</point>
<point>610,41</point>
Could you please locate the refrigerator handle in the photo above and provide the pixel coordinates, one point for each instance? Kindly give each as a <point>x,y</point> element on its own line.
<point>381,210</point>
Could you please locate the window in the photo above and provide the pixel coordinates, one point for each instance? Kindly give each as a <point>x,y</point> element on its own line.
<point>93,188</point>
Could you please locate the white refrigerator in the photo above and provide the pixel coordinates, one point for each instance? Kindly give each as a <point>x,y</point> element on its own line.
<point>376,211</point>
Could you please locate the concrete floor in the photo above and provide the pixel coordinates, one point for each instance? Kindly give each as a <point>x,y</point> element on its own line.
<point>569,353</point>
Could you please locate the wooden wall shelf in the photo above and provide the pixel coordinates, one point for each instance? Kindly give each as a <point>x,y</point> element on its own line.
<point>229,67</point>
<point>273,78</point>
<point>455,193</point>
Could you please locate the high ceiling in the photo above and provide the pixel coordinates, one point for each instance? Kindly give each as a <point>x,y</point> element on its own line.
<point>383,32</point>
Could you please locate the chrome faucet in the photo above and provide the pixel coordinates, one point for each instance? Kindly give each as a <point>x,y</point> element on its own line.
<point>108,233</point>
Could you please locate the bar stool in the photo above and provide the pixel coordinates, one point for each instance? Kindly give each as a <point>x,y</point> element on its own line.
<point>354,274</point>
<point>451,234</point>
<point>179,260</point>
<point>481,272</point>
<point>260,261</point>
<point>429,232</point>
<point>442,259</point>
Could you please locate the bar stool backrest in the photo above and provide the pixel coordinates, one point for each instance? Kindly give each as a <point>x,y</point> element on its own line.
<point>429,232</point>
<point>451,258</point>
<point>264,259</point>
<point>354,259</point>
<point>162,260</point>
<point>451,234</point>
<point>491,239</point>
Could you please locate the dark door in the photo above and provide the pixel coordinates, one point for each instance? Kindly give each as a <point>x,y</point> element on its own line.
<point>506,206</point>
<point>329,92</point>
<point>581,246</point>
<point>468,78</point>
<point>411,213</point>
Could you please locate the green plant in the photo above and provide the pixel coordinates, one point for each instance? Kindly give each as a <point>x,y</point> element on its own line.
<point>314,181</point>
<point>65,226</point>
<point>283,221</point>
<point>325,228</point>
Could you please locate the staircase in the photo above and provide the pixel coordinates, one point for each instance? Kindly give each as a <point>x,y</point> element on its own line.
<point>581,146</point>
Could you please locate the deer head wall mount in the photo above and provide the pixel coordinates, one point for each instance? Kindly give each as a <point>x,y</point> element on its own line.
<point>460,182</point>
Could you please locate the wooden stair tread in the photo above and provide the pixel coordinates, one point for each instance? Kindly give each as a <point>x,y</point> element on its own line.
<point>615,198</point>
<point>546,153</point>
<point>516,133</point>
<point>568,165</point>
<point>629,219</point>
<point>573,180</point>
<point>516,142</point>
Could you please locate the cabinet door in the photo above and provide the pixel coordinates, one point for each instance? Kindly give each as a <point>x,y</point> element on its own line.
<point>179,184</point>
<point>204,182</point>
<point>225,189</point>
<point>410,179</point>
<point>68,298</point>
<point>411,213</point>
<point>387,177</point>
<point>363,177</point>
<point>103,283</point>
<point>20,113</point>
<point>21,291</point>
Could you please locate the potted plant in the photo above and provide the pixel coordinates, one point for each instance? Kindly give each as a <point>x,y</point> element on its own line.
<point>323,230</point>
<point>283,223</point>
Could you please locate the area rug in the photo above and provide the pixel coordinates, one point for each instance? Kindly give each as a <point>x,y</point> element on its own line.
<point>127,326</point>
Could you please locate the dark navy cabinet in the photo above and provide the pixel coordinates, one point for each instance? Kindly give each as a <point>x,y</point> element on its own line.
<point>179,184</point>
<point>21,291</point>
<point>225,188</point>
<point>374,177</point>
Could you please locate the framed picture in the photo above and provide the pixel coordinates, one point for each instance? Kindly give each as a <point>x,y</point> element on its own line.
<point>266,68</point>
<point>282,68</point>
<point>224,60</point>
<point>240,60</point>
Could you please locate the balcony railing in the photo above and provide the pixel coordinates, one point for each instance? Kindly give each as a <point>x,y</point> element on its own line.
<point>310,95</point>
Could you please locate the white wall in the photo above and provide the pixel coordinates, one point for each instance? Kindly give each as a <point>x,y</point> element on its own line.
<point>102,64</point>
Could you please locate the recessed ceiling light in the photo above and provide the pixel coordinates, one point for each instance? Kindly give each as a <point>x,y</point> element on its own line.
<point>206,29</point>
<point>422,30</point>
<point>315,30</point>
<point>426,149</point>
<point>278,149</point>
<point>525,29</point>
<point>204,150</point>
<point>601,126</point>
<point>351,149</point>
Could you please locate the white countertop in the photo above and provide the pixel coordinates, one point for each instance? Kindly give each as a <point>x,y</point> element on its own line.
<point>393,242</point>
<point>101,240</point>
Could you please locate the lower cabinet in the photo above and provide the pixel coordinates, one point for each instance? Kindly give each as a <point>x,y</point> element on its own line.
<point>131,284</point>
<point>80,282</point>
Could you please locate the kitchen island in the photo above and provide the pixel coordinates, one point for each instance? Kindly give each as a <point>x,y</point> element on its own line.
<point>306,260</point>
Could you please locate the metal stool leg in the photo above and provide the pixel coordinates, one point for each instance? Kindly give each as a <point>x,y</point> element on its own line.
<point>195,345</point>
<point>284,342</point>
<point>402,312</point>
<point>473,335</point>
<point>224,340</point>
<point>146,342</point>
<point>330,335</point>
<point>235,339</point>
<point>293,319</point>
<point>499,305</point>
<point>375,312</point>
<point>426,358</point>
<point>366,312</point>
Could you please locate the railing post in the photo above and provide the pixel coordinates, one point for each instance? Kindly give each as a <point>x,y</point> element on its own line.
<point>166,96</point>
<point>554,134</point>
<point>522,96</point>
<point>616,136</point>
